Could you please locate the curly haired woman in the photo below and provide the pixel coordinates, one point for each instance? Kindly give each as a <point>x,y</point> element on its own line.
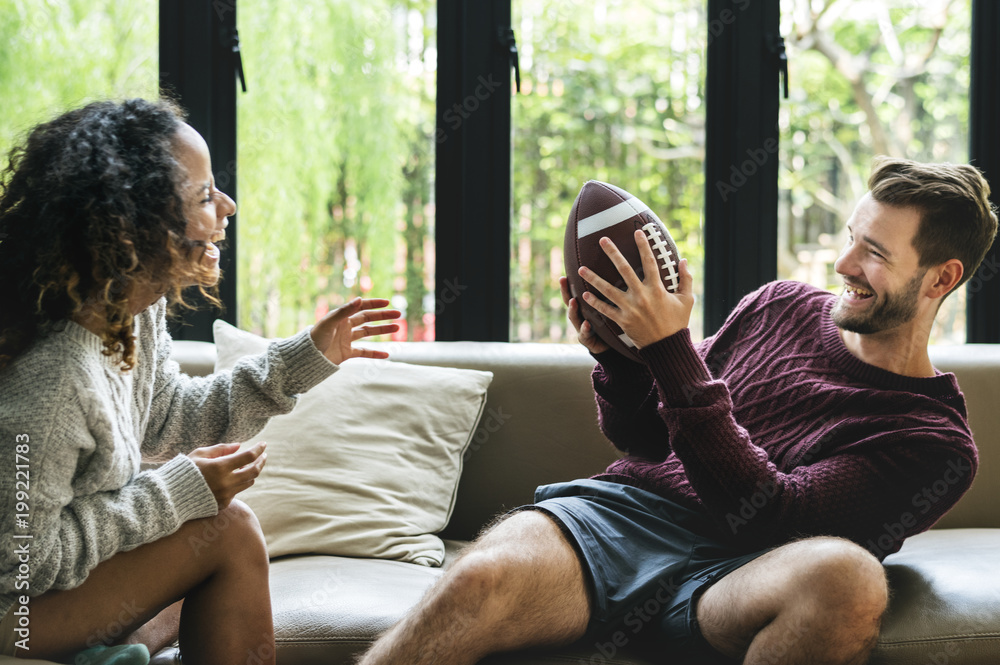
<point>106,214</point>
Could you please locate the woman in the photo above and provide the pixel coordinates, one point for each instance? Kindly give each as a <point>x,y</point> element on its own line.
<point>106,214</point>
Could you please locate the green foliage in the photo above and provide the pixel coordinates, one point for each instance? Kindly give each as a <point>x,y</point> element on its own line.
<point>336,148</point>
<point>890,77</point>
<point>612,91</point>
<point>60,54</point>
<point>335,153</point>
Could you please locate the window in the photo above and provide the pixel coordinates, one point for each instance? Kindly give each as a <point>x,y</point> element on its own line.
<point>869,78</point>
<point>57,55</point>
<point>336,155</point>
<point>611,90</point>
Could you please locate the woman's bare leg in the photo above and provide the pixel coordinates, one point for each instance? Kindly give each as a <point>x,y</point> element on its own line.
<point>218,565</point>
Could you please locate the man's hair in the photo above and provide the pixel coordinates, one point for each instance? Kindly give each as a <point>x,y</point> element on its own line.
<point>957,219</point>
<point>89,208</point>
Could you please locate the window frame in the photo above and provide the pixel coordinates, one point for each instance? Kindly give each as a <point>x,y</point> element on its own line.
<point>473,158</point>
<point>198,68</point>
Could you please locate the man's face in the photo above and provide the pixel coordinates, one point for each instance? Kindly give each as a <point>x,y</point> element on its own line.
<point>881,269</point>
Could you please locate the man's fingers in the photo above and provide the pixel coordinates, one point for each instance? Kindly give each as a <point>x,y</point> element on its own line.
<point>573,311</point>
<point>685,285</point>
<point>564,288</point>
<point>611,311</point>
<point>608,290</point>
<point>650,269</point>
<point>621,263</point>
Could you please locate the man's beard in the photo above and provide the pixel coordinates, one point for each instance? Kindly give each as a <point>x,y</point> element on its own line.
<point>894,310</point>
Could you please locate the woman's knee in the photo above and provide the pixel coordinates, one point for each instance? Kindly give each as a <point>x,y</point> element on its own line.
<point>235,528</point>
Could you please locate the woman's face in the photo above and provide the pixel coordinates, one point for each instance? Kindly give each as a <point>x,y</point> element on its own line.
<point>205,207</point>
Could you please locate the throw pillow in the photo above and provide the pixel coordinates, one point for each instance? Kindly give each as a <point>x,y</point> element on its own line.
<point>367,463</point>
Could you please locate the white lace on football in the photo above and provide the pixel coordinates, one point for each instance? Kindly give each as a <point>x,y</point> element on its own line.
<point>663,253</point>
<point>626,341</point>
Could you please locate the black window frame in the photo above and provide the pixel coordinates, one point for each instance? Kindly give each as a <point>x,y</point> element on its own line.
<point>473,160</point>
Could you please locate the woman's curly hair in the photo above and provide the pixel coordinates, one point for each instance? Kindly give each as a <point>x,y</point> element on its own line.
<point>90,209</point>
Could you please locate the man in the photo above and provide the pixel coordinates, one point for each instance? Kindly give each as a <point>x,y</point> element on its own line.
<point>769,468</point>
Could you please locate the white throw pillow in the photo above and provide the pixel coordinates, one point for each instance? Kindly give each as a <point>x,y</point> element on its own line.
<point>367,463</point>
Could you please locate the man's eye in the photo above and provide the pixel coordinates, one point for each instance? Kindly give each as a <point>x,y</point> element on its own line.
<point>876,254</point>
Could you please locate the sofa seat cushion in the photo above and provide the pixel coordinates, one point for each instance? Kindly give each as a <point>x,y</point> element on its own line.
<point>327,609</point>
<point>945,606</point>
<point>945,603</point>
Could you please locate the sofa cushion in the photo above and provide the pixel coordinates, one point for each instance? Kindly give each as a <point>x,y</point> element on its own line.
<point>368,462</point>
<point>945,606</point>
<point>329,609</point>
<point>945,603</point>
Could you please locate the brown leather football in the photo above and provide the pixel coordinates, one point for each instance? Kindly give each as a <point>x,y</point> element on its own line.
<point>603,210</point>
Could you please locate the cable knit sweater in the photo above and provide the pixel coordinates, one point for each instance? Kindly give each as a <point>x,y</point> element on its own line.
<point>74,428</point>
<point>775,430</point>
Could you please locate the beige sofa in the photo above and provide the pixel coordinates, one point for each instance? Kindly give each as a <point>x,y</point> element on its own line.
<point>539,426</point>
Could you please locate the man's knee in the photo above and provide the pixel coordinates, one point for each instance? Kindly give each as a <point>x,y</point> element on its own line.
<point>842,577</point>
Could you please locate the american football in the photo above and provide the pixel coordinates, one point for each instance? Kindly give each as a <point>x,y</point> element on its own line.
<point>601,209</point>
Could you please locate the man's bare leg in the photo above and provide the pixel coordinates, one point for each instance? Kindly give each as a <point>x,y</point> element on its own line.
<point>518,586</point>
<point>817,601</point>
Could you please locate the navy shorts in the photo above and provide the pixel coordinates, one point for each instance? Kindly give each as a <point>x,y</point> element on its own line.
<point>647,560</point>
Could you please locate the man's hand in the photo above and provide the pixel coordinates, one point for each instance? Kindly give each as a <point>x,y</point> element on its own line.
<point>227,471</point>
<point>335,332</point>
<point>647,312</point>
<point>586,332</point>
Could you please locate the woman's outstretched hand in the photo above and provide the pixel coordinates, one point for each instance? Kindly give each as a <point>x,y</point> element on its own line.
<point>228,470</point>
<point>335,332</point>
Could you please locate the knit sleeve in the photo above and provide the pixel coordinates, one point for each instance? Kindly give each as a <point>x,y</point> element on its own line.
<point>190,412</point>
<point>627,404</point>
<point>66,533</point>
<point>873,492</point>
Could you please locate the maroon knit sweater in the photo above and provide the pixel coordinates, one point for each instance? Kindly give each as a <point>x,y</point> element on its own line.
<point>775,430</point>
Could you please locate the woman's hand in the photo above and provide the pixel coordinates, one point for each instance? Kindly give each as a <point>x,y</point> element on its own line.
<point>227,470</point>
<point>585,331</point>
<point>646,311</point>
<point>335,332</point>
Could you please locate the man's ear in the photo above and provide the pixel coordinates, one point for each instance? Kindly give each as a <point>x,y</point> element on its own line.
<point>945,277</point>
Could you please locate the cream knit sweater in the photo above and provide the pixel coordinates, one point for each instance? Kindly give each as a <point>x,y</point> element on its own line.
<point>74,428</point>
